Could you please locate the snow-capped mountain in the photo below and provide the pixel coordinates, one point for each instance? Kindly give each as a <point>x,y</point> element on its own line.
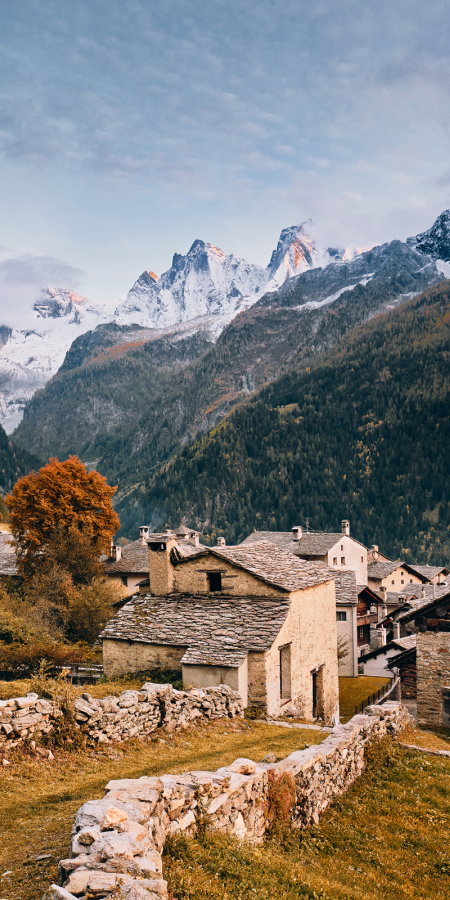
<point>204,282</point>
<point>297,251</point>
<point>207,289</point>
<point>436,241</point>
<point>30,357</point>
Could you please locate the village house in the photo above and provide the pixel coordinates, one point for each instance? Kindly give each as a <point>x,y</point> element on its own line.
<point>338,549</point>
<point>252,617</point>
<point>433,574</point>
<point>426,620</point>
<point>391,575</point>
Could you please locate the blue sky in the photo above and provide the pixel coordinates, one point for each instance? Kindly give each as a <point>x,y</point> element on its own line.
<point>128,129</point>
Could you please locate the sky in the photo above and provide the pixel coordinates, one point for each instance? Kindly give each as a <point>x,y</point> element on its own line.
<point>129,128</point>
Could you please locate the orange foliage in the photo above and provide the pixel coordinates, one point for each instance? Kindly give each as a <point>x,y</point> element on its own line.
<point>60,497</point>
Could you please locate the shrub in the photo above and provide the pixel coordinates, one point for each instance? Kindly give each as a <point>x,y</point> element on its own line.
<point>280,803</point>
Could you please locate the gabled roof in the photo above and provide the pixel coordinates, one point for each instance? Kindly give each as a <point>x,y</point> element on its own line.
<point>434,594</point>
<point>399,644</point>
<point>274,565</point>
<point>311,543</point>
<point>134,560</point>
<point>381,569</point>
<point>197,622</point>
<point>430,571</point>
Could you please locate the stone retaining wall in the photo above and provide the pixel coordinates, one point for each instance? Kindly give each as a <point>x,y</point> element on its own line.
<point>117,841</point>
<point>115,719</point>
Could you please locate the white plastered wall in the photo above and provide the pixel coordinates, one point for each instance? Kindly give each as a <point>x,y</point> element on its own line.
<point>354,556</point>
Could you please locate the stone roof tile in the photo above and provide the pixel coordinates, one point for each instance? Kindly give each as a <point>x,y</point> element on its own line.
<point>275,565</point>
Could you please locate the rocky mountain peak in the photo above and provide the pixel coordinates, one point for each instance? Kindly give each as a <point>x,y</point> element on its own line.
<point>298,250</point>
<point>436,241</point>
<point>57,302</point>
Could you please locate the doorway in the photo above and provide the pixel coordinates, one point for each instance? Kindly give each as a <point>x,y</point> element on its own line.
<point>285,672</point>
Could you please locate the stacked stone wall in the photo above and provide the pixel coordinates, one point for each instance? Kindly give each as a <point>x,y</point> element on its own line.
<point>433,674</point>
<point>115,719</point>
<point>117,841</point>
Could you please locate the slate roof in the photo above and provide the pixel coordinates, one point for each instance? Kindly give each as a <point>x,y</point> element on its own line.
<point>381,568</point>
<point>197,622</point>
<point>311,543</point>
<point>8,558</point>
<point>429,571</point>
<point>400,644</point>
<point>134,560</point>
<point>211,656</point>
<point>275,565</point>
<point>439,590</point>
<point>345,587</point>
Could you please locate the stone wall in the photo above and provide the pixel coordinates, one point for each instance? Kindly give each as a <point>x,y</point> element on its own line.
<point>115,719</point>
<point>117,841</point>
<point>433,674</point>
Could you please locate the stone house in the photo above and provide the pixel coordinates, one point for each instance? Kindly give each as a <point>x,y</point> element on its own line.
<point>428,620</point>
<point>338,549</point>
<point>251,617</point>
<point>433,574</point>
<point>392,575</point>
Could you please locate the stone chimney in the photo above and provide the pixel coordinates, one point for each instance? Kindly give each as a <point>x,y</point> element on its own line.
<point>143,535</point>
<point>160,567</point>
<point>422,590</point>
<point>296,533</point>
<point>116,552</point>
<point>221,542</point>
<point>345,527</point>
<point>374,552</point>
<point>194,539</point>
<point>396,627</point>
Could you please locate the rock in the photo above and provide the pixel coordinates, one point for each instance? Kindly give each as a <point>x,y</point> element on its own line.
<point>270,758</point>
<point>77,881</point>
<point>100,883</point>
<point>55,892</point>
<point>243,766</point>
<point>89,835</point>
<point>112,817</point>
<point>143,890</point>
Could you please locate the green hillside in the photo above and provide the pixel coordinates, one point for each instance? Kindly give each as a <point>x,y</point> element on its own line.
<point>14,463</point>
<point>363,434</point>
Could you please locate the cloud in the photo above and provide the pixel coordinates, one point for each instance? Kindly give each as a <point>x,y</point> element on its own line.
<point>22,282</point>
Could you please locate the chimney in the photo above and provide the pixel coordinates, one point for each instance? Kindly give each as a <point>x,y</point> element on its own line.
<point>383,637</point>
<point>296,533</point>
<point>345,527</point>
<point>116,552</point>
<point>160,566</point>
<point>143,535</point>
<point>194,539</point>
<point>374,549</point>
<point>396,626</point>
<point>422,590</point>
<point>221,542</point>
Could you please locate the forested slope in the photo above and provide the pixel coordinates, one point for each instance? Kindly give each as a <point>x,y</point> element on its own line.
<point>14,462</point>
<point>363,434</point>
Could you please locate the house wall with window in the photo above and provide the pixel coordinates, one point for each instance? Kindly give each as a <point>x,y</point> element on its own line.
<point>195,575</point>
<point>347,631</point>
<point>349,554</point>
<point>310,633</point>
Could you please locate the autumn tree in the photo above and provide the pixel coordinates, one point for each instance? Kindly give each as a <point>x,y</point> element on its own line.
<point>62,516</point>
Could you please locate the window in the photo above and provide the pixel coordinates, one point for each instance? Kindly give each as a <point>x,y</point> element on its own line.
<point>341,616</point>
<point>402,581</point>
<point>392,582</point>
<point>362,559</point>
<point>410,580</point>
<point>402,573</point>
<point>285,672</point>
<point>342,546</point>
<point>214,581</point>
<point>342,560</point>
<point>334,560</point>
<point>124,580</point>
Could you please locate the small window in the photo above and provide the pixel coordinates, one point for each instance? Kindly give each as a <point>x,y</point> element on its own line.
<point>342,560</point>
<point>362,559</point>
<point>214,581</point>
<point>124,580</point>
<point>402,581</point>
<point>342,546</point>
<point>402,573</point>
<point>334,560</point>
<point>341,616</point>
<point>410,581</point>
<point>392,582</point>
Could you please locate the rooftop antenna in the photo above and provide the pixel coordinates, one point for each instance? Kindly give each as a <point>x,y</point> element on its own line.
<point>307,524</point>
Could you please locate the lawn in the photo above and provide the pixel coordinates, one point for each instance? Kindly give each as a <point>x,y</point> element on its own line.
<point>355,690</point>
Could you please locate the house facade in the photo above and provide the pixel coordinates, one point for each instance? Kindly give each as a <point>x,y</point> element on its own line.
<point>250,617</point>
<point>392,575</point>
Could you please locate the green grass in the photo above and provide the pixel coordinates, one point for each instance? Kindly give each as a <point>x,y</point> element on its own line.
<point>387,837</point>
<point>39,799</point>
<point>355,690</point>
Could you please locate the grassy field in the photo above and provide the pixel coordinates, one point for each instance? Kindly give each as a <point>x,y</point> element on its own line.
<point>356,690</point>
<point>39,799</point>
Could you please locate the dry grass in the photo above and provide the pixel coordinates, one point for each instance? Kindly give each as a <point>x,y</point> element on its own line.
<point>426,739</point>
<point>103,688</point>
<point>39,799</point>
<point>355,690</point>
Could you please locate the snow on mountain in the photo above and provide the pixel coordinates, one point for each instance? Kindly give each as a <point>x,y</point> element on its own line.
<point>204,282</point>
<point>299,249</point>
<point>28,358</point>
<point>436,241</point>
